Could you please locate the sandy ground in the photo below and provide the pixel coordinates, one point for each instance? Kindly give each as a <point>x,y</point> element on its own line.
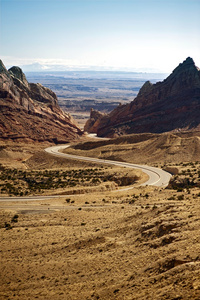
<point>105,249</point>
<point>138,244</point>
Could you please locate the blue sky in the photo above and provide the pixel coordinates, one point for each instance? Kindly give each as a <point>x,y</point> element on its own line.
<point>132,34</point>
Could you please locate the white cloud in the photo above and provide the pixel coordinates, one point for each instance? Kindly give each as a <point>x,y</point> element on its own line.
<point>131,59</point>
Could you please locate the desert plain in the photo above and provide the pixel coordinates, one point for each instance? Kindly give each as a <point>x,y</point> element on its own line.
<point>94,239</point>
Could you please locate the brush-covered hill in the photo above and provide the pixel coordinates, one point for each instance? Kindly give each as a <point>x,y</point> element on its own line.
<point>30,111</point>
<point>144,148</point>
<point>170,105</point>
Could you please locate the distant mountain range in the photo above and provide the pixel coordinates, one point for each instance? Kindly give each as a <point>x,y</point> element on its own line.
<point>30,111</point>
<point>170,105</point>
<point>42,67</point>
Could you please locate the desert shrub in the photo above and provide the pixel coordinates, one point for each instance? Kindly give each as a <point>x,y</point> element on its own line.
<point>188,191</point>
<point>180,197</point>
<point>8,226</point>
<point>171,198</point>
<point>24,182</point>
<point>132,201</point>
<point>178,183</point>
<point>15,219</point>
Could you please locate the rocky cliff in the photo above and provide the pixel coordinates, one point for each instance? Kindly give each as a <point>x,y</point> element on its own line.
<point>93,122</point>
<point>30,111</point>
<point>171,105</point>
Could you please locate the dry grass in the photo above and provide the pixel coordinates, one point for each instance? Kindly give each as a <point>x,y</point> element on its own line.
<point>28,171</point>
<point>103,247</point>
<point>154,149</point>
<point>138,244</point>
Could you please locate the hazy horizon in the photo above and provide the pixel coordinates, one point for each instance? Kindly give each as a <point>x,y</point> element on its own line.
<point>128,35</point>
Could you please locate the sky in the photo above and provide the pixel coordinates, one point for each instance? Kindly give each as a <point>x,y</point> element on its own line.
<point>137,35</point>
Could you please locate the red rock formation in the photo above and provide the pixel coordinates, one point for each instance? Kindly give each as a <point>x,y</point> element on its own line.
<point>30,111</point>
<point>173,104</point>
<point>93,122</point>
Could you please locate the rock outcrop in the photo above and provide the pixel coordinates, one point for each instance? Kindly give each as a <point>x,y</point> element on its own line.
<point>93,122</point>
<point>30,111</point>
<point>171,105</point>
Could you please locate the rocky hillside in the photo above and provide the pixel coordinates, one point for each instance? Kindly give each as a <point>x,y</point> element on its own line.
<point>171,105</point>
<point>30,111</point>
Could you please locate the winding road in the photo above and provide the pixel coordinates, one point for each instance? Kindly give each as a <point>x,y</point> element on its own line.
<point>157,177</point>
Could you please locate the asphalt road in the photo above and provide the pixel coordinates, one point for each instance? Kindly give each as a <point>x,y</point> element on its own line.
<point>157,177</point>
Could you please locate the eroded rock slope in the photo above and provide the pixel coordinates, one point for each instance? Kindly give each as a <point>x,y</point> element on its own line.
<point>30,111</point>
<point>171,105</point>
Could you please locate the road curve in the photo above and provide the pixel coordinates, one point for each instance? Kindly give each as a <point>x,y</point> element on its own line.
<point>157,177</point>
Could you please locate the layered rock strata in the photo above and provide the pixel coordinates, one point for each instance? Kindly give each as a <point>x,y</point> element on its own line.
<point>30,111</point>
<point>170,105</point>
